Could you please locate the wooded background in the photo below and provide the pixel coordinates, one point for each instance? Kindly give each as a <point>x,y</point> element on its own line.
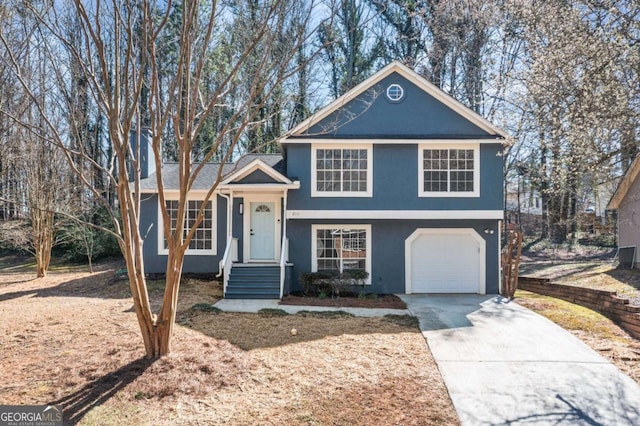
<point>215,80</point>
<point>560,76</point>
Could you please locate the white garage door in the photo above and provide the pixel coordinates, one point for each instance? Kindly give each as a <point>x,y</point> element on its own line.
<point>445,261</point>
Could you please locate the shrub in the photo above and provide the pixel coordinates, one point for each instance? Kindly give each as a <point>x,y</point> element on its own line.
<point>272,312</point>
<point>324,314</point>
<point>316,283</point>
<point>312,285</point>
<point>206,307</point>
<point>82,242</point>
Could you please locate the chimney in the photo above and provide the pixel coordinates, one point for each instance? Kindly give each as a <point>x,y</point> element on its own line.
<point>147,160</point>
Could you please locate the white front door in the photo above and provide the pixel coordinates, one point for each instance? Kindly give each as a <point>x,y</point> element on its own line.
<point>262,237</point>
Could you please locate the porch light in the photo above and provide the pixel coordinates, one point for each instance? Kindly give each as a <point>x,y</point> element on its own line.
<point>488,231</point>
<point>240,209</point>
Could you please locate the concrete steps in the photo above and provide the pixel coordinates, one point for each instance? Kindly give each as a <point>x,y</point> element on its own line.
<point>254,282</point>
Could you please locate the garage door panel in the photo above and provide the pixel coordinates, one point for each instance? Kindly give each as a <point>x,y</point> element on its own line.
<point>445,263</point>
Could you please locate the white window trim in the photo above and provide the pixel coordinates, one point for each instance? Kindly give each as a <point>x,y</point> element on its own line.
<point>314,244</point>
<point>214,233</point>
<point>476,171</point>
<point>314,186</point>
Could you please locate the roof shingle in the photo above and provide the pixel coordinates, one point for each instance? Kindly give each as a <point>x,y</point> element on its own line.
<point>209,172</point>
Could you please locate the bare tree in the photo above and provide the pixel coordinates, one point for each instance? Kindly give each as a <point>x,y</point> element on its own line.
<point>580,79</point>
<point>120,40</point>
<point>346,47</point>
<point>39,174</point>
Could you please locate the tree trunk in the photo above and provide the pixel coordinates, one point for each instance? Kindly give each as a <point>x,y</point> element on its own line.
<point>142,307</point>
<point>544,190</point>
<point>167,315</point>
<point>572,210</point>
<point>131,247</point>
<point>42,223</point>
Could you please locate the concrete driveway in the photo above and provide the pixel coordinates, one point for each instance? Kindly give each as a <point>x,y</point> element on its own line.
<point>506,365</point>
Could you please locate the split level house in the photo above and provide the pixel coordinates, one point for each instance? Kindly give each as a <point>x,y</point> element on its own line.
<point>395,177</point>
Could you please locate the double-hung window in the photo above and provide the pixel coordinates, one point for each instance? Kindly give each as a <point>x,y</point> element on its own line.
<point>203,241</point>
<point>449,171</point>
<point>341,171</point>
<point>341,248</point>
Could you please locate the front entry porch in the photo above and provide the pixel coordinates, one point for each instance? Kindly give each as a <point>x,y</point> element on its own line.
<point>255,260</point>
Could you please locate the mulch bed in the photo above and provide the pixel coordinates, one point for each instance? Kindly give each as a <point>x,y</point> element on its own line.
<point>386,301</point>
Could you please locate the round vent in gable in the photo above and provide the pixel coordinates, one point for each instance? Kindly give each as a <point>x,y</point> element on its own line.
<point>395,92</point>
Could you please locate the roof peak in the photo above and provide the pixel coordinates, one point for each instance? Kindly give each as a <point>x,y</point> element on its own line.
<point>413,77</point>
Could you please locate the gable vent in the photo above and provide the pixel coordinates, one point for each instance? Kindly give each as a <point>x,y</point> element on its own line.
<point>395,92</point>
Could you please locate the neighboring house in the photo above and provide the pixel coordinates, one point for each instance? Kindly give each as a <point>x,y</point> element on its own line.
<point>523,206</point>
<point>395,177</point>
<point>522,198</point>
<point>626,200</point>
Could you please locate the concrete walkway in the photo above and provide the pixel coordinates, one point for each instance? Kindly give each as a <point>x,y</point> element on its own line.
<point>253,306</point>
<point>505,365</point>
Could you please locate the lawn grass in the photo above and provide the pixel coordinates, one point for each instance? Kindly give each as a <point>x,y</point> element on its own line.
<point>569,315</point>
<point>597,274</point>
<point>73,339</point>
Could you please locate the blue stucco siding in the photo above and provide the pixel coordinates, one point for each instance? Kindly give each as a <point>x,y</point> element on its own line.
<point>388,249</point>
<point>156,263</point>
<point>417,115</point>
<point>395,182</point>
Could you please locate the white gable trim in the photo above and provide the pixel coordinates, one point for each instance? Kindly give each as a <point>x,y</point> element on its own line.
<point>625,184</point>
<point>252,187</point>
<point>256,164</point>
<point>413,77</point>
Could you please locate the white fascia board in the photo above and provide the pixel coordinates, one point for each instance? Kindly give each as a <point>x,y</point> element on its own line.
<point>395,214</point>
<point>625,184</point>
<point>252,167</point>
<point>258,186</point>
<point>394,141</point>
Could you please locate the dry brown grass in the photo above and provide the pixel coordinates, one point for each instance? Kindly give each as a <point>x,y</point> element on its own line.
<point>72,339</point>
<point>596,330</point>
<point>603,275</point>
